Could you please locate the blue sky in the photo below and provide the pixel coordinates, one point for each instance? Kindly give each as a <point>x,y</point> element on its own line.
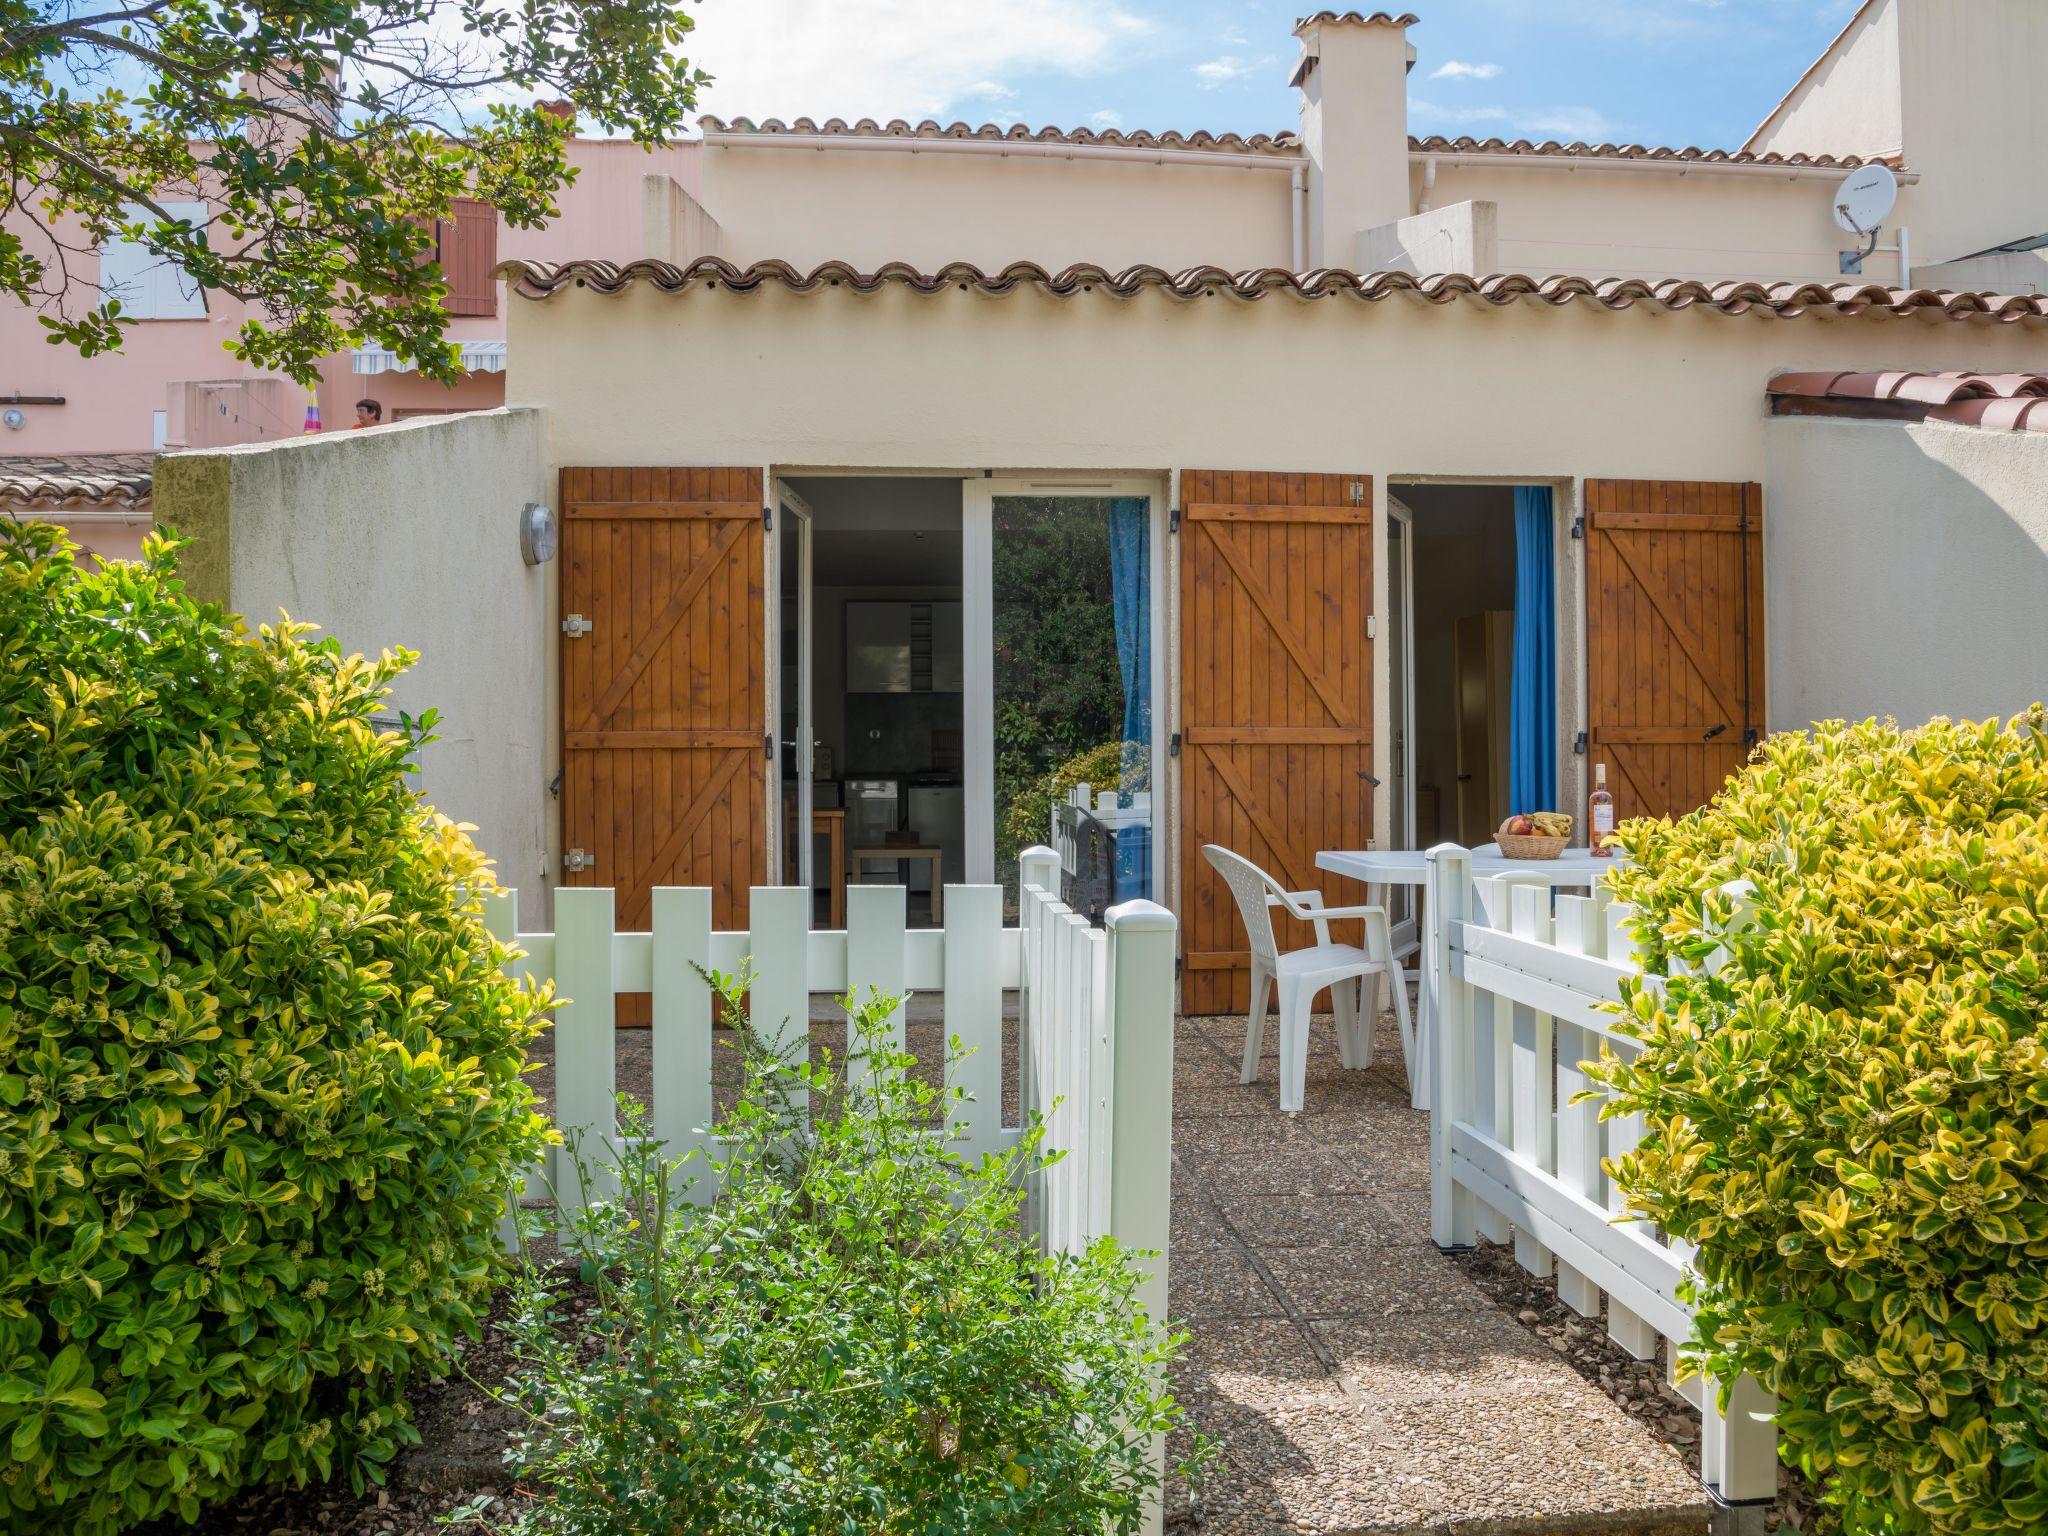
<point>1675,72</point>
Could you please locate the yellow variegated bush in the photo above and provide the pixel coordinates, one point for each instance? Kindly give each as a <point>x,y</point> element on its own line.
<point>260,1092</point>
<point>1850,1117</point>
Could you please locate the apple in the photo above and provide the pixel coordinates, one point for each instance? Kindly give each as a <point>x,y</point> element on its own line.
<point>1519,826</point>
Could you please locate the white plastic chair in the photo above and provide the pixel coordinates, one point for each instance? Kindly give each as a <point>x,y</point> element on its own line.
<point>1304,973</point>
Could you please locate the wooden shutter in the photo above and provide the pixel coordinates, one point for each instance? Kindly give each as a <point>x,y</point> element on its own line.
<point>469,249</point>
<point>664,700</point>
<point>1674,637</point>
<point>1276,698</point>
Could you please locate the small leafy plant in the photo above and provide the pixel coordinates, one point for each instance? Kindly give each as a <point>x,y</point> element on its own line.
<point>260,1070</point>
<point>855,1336</point>
<point>1849,1118</point>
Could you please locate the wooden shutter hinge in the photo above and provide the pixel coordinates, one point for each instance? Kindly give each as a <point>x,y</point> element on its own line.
<point>1579,526</point>
<point>1173,745</point>
<point>1173,520</point>
<point>1579,746</point>
<point>768,746</point>
<point>767,519</point>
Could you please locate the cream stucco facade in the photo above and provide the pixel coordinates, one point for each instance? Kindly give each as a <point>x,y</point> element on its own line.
<point>404,535</point>
<point>1909,570</point>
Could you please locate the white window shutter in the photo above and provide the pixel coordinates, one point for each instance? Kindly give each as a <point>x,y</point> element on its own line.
<point>149,286</point>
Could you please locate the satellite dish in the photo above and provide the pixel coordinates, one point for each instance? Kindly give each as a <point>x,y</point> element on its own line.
<point>1865,197</point>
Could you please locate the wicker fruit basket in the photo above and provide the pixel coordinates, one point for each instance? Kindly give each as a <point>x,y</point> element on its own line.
<point>1514,847</point>
<point>1547,844</point>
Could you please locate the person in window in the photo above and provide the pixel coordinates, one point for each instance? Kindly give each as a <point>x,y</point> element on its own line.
<point>369,413</point>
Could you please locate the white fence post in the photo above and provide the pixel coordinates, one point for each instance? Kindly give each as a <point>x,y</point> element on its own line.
<point>501,921</point>
<point>1447,1044</point>
<point>874,956</point>
<point>1141,948</point>
<point>586,1025</point>
<point>974,993</point>
<point>1532,1069</point>
<point>682,1109</point>
<point>1579,932</point>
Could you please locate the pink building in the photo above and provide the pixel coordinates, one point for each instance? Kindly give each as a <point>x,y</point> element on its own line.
<point>174,384</point>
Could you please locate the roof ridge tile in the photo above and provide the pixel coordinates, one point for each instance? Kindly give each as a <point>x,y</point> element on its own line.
<point>931,128</point>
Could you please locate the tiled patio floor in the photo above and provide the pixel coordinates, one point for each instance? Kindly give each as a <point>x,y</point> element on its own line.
<point>1350,1378</point>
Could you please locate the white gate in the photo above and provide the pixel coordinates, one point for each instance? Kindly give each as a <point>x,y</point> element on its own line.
<point>1095,1021</point>
<point>1524,994</point>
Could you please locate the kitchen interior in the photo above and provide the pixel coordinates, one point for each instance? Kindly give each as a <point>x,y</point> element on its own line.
<point>888,781</point>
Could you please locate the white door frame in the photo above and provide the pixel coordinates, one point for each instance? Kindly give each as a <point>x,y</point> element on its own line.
<point>1401,574</point>
<point>977,580</point>
<point>793,506</point>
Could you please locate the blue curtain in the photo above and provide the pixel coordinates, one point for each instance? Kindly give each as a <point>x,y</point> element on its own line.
<point>1532,698</point>
<point>1130,573</point>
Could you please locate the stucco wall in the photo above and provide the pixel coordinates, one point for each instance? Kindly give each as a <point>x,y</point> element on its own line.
<point>1848,102</point>
<point>1906,570</point>
<point>807,207</point>
<point>1657,223</point>
<point>405,535</point>
<point>1025,381</point>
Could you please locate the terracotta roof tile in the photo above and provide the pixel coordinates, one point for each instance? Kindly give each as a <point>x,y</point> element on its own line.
<point>1284,143</point>
<point>899,128</point>
<point>2007,401</point>
<point>540,280</point>
<point>1439,145</point>
<point>1358,19</point>
<point>77,480</point>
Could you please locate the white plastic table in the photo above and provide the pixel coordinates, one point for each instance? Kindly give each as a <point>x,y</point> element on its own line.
<point>1382,867</point>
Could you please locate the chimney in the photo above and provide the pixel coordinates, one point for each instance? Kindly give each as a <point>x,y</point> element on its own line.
<point>1353,78</point>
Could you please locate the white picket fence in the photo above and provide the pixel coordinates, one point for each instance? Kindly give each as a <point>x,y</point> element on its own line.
<point>1522,998</point>
<point>1096,1027</point>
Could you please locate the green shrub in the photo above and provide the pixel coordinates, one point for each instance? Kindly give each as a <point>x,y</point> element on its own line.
<point>1850,1118</point>
<point>1027,819</point>
<point>260,1090</point>
<point>854,1338</point>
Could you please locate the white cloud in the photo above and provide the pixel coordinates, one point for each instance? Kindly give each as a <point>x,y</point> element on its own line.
<point>1214,72</point>
<point>1429,111</point>
<point>1570,123</point>
<point>1547,122</point>
<point>895,58</point>
<point>1458,69</point>
<point>1108,117</point>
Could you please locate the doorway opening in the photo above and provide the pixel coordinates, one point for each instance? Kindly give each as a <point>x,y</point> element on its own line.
<point>1457,548</point>
<point>870,689</point>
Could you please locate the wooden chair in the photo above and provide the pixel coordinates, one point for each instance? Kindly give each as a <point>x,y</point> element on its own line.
<point>1303,973</point>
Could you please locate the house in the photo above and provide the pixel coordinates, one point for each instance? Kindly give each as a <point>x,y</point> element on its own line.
<point>173,385</point>
<point>909,459</point>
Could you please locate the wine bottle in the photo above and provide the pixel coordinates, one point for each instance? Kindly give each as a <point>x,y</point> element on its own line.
<point>1600,816</point>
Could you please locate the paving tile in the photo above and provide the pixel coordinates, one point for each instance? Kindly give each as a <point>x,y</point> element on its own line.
<point>1258,1362</point>
<point>1240,1134</point>
<point>1372,1281</point>
<point>1406,1358</point>
<point>1344,1469</point>
<point>1261,1099</point>
<point>1309,1221</point>
<point>1195,1221</point>
<point>1408,1211</point>
<point>1217,1282</point>
<point>1198,1064</point>
<point>1288,1165</point>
